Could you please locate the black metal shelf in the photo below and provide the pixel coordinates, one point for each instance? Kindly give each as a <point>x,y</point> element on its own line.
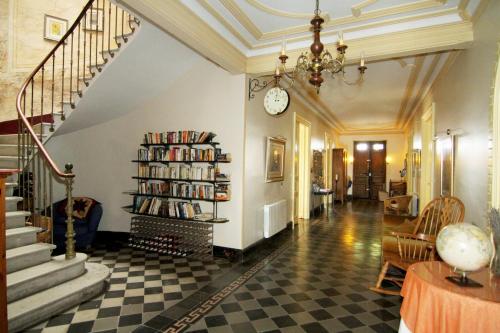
<point>189,144</point>
<point>184,162</point>
<point>175,197</point>
<point>183,180</point>
<point>129,209</point>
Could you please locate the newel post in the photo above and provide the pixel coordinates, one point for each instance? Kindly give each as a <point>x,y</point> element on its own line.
<point>70,231</point>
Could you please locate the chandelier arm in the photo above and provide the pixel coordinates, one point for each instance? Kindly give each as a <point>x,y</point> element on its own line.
<point>360,79</point>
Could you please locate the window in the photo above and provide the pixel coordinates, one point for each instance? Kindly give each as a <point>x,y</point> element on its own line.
<point>362,147</point>
<point>378,146</point>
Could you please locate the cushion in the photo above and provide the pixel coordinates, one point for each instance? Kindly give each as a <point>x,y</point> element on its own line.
<point>81,207</point>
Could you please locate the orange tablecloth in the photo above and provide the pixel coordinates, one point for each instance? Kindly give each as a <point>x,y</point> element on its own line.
<point>432,304</point>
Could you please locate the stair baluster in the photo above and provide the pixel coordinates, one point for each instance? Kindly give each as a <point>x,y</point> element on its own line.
<point>43,90</point>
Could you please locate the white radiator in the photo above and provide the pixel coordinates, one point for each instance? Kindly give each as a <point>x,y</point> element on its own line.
<point>275,218</point>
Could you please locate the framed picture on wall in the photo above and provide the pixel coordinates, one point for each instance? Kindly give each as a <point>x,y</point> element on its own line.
<point>275,159</point>
<point>93,20</point>
<point>54,28</point>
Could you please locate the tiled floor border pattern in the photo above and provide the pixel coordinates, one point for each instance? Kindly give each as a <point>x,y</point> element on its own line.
<point>183,323</point>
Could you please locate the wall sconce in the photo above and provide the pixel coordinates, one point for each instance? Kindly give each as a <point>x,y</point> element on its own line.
<point>350,159</point>
<point>388,159</point>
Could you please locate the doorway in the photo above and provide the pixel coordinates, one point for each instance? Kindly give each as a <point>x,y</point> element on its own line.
<point>369,169</point>
<point>302,177</point>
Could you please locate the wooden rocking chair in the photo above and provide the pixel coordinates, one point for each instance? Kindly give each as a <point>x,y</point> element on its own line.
<point>419,245</point>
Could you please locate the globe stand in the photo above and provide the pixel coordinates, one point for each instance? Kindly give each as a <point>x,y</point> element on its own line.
<point>464,281</point>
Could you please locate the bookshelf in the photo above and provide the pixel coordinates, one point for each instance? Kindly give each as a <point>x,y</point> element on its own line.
<point>179,187</point>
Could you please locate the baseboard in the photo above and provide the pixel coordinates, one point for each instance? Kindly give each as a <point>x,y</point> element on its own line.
<point>240,255</point>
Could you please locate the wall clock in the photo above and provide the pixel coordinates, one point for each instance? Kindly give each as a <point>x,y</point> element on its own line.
<point>276,101</point>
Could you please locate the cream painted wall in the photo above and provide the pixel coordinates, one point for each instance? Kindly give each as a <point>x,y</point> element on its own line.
<point>102,154</point>
<point>396,151</point>
<point>257,193</point>
<point>462,97</point>
<point>22,45</point>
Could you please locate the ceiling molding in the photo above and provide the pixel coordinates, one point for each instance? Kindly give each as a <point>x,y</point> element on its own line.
<point>479,10</point>
<point>410,87</point>
<point>423,103</point>
<point>374,131</point>
<point>276,12</point>
<point>383,23</point>
<point>370,15</point>
<point>209,8</point>
<point>183,24</point>
<point>392,45</point>
<point>424,86</point>
<point>356,9</point>
<point>242,18</point>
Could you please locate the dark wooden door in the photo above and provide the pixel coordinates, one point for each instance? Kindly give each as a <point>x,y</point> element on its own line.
<point>369,169</point>
<point>361,167</point>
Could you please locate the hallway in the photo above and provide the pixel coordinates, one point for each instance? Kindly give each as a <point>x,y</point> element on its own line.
<point>319,283</point>
<point>312,279</point>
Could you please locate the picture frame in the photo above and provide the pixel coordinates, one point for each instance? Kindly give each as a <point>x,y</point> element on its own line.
<point>275,159</point>
<point>93,20</point>
<point>54,28</point>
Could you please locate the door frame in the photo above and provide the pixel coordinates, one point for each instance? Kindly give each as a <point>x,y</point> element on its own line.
<point>495,165</point>
<point>305,184</point>
<point>427,157</point>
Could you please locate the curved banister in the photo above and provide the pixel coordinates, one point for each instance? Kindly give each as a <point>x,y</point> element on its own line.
<point>86,47</point>
<point>24,87</point>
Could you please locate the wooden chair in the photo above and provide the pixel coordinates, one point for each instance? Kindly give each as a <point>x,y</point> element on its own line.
<point>420,244</point>
<point>398,205</point>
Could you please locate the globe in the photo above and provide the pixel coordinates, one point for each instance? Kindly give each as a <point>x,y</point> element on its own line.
<point>464,246</point>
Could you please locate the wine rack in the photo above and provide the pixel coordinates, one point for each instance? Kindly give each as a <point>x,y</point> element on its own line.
<point>174,237</point>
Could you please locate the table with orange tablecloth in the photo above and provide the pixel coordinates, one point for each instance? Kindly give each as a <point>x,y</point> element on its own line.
<point>433,304</point>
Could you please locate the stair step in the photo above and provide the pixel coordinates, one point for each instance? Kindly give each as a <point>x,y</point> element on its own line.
<point>11,203</point>
<point>16,219</point>
<point>12,138</point>
<point>18,237</point>
<point>11,149</point>
<point>36,308</point>
<point>27,256</point>
<point>34,279</point>
<point>9,188</point>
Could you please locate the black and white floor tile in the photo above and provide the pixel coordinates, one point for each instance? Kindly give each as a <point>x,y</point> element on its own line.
<point>314,279</point>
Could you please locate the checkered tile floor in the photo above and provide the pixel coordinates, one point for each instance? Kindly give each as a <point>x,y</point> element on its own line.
<point>320,284</point>
<point>141,286</point>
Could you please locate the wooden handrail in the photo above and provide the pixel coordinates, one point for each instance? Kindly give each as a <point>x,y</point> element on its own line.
<point>24,87</point>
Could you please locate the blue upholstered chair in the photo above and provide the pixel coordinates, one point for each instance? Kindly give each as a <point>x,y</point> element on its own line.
<point>87,214</point>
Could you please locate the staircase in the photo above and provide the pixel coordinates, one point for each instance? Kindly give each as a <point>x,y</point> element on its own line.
<point>39,285</point>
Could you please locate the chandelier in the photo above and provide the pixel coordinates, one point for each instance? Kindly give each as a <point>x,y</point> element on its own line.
<point>313,63</point>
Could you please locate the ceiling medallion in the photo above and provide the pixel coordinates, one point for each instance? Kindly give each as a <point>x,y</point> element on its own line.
<point>312,64</point>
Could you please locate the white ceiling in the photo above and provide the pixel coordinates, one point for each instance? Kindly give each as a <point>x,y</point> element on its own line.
<point>257,27</point>
<point>392,87</point>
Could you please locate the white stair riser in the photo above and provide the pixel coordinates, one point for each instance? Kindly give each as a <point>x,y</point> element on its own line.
<point>11,205</point>
<point>30,287</point>
<point>16,222</point>
<point>9,191</point>
<point>24,314</point>
<point>20,240</point>
<point>32,259</point>
<point>8,163</point>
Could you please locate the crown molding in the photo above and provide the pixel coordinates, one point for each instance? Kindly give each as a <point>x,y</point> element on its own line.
<point>374,131</point>
<point>276,12</point>
<point>187,27</point>
<point>209,8</point>
<point>410,87</point>
<point>369,15</point>
<point>444,37</point>
<point>242,18</point>
<point>356,9</point>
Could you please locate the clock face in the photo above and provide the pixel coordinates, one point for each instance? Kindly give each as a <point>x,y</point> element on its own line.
<point>276,101</point>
